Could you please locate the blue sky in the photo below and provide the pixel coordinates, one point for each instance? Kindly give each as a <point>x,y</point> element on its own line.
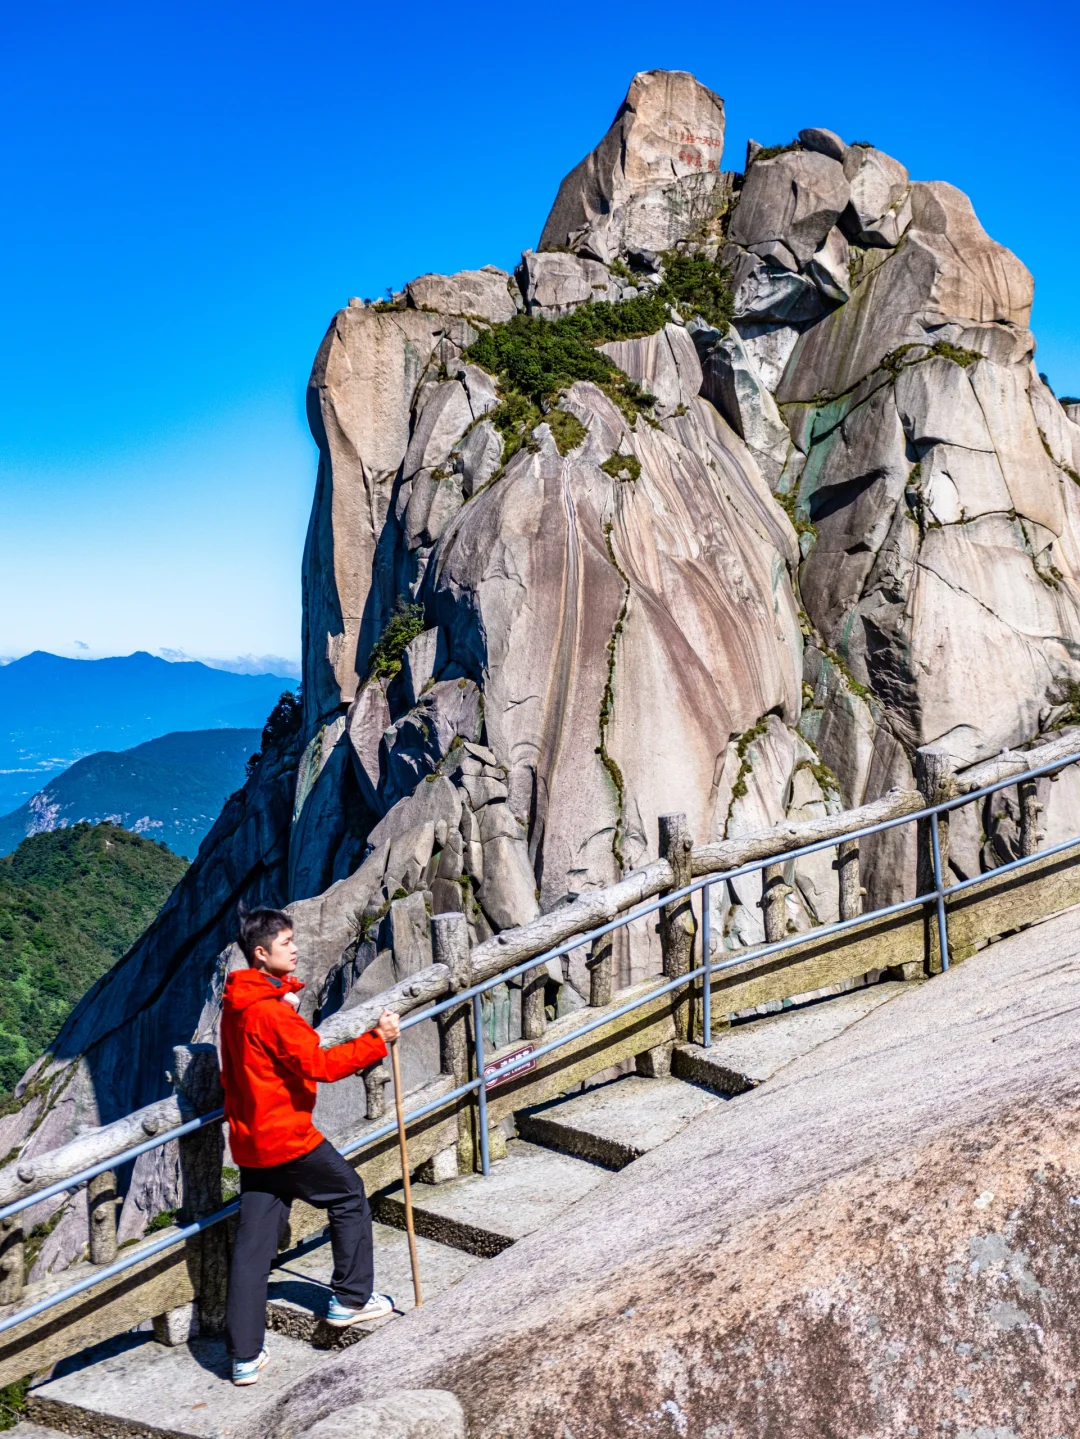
<point>191,190</point>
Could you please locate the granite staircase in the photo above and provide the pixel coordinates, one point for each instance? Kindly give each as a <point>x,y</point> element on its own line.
<point>561,1151</point>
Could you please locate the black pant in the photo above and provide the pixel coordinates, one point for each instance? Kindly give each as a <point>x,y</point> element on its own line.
<point>321,1178</point>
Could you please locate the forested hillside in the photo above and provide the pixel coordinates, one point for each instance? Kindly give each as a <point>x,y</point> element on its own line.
<point>171,789</point>
<point>71,903</point>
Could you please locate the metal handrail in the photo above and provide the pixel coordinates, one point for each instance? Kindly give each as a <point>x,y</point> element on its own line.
<point>511,1065</point>
<point>109,1271</point>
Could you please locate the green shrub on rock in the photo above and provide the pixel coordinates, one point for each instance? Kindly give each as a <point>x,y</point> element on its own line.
<point>567,429</point>
<point>402,627</point>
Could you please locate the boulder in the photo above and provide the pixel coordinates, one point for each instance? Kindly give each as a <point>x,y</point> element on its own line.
<point>830,267</point>
<point>410,935</point>
<point>668,135</point>
<point>879,188</point>
<point>768,347</point>
<point>795,198</point>
<point>478,457</point>
<point>732,383</point>
<point>488,294</point>
<point>937,405</point>
<point>665,365</point>
<point>366,723</point>
<point>763,291</point>
<point>418,665</point>
<point>507,893</point>
<point>824,142</point>
<point>401,1414</point>
<point>960,484</point>
<point>445,417</point>
<point>948,270</point>
<point>555,283</point>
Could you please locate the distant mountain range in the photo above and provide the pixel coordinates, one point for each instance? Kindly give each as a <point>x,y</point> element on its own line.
<point>54,711</point>
<point>170,789</point>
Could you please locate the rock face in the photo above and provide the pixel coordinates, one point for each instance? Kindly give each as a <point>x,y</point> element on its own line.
<point>649,180</point>
<point>840,520</point>
<point>838,1252</point>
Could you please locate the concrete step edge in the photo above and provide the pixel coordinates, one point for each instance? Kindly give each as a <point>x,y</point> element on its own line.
<point>485,1243</point>
<point>692,1063</point>
<point>551,1134</point>
<point>73,1419</point>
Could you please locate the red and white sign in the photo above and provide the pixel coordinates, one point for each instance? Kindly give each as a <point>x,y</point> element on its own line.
<point>515,1057</point>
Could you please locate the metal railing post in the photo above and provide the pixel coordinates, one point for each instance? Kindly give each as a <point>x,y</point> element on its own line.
<point>943,933</point>
<point>481,1093</point>
<point>706,978</point>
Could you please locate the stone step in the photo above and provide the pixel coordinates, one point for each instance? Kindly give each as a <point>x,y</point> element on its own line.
<point>616,1123</point>
<point>300,1285</point>
<point>132,1386</point>
<point>744,1056</point>
<point>523,1192</point>
<point>27,1429</point>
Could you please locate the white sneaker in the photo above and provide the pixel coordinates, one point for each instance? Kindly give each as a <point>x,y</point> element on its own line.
<point>340,1316</point>
<point>246,1371</point>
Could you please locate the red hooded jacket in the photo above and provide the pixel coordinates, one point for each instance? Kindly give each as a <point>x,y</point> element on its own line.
<point>270,1062</point>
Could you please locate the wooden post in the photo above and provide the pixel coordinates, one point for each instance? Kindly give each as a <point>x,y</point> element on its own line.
<point>101,1210</point>
<point>677,923</point>
<point>197,1080</point>
<point>774,893</point>
<point>12,1259</point>
<point>937,783</point>
<point>375,1081</point>
<point>1030,809</point>
<point>599,964</point>
<point>450,946</point>
<point>533,1017</point>
<point>851,892</point>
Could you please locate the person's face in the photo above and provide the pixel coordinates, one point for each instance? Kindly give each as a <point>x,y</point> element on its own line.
<point>280,958</point>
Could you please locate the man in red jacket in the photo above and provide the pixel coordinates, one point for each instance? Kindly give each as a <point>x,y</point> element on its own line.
<point>270,1064</point>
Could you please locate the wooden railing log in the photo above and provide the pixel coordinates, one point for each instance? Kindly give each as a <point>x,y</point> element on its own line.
<point>1015,762</point>
<point>26,1176</point>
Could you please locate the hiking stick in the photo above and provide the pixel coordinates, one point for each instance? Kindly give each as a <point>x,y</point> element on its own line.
<point>405,1181</point>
